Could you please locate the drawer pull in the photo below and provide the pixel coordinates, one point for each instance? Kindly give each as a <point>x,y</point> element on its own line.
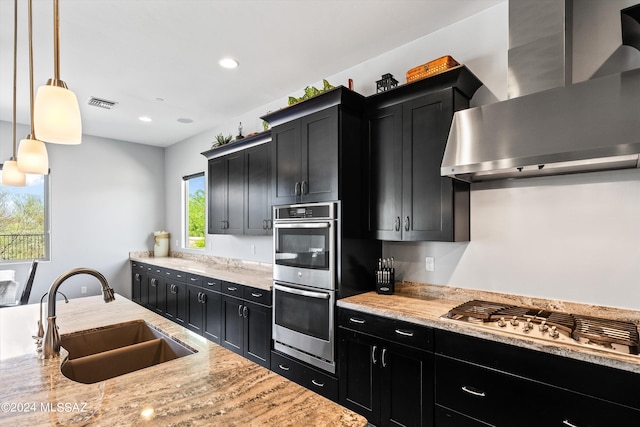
<point>358,321</point>
<point>316,383</point>
<point>373,355</point>
<point>567,423</point>
<point>193,279</point>
<point>384,358</point>
<point>283,367</point>
<point>232,288</point>
<point>472,391</point>
<point>404,333</point>
<point>256,295</point>
<point>210,284</point>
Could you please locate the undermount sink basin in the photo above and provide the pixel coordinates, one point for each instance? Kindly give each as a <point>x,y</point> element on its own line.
<point>99,354</point>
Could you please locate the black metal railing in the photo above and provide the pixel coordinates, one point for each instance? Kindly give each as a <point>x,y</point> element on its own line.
<point>22,246</point>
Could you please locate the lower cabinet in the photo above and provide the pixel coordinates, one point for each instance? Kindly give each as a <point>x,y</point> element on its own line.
<point>385,369</point>
<point>246,322</point>
<point>203,306</point>
<point>480,382</point>
<point>307,376</point>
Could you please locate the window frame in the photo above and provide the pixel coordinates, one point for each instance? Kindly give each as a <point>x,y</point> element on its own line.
<point>185,210</point>
<point>47,223</point>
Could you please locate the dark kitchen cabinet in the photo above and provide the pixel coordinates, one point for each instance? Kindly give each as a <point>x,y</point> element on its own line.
<point>246,322</point>
<point>226,190</point>
<point>139,283</point>
<point>204,306</point>
<point>157,293</point>
<point>176,301</point>
<point>257,203</point>
<point>308,376</point>
<point>316,149</point>
<point>385,369</point>
<point>239,187</point>
<point>494,383</point>
<point>407,134</point>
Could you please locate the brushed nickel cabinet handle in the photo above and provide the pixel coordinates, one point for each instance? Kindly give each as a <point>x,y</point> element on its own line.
<point>373,354</point>
<point>358,321</point>
<point>240,311</point>
<point>296,189</point>
<point>316,383</point>
<point>397,224</point>
<point>567,423</point>
<point>256,295</point>
<point>245,312</point>
<point>305,188</point>
<point>283,367</point>
<point>232,288</point>
<point>473,391</point>
<point>406,334</point>
<point>407,222</point>
<point>384,358</point>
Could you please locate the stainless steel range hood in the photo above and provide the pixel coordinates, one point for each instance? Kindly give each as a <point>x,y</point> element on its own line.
<point>588,126</point>
<point>594,125</point>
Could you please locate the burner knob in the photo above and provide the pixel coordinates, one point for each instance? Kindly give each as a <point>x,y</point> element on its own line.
<point>527,326</point>
<point>502,323</point>
<point>543,326</point>
<point>553,332</point>
<point>514,321</point>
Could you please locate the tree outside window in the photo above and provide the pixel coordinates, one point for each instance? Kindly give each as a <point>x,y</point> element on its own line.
<point>195,211</point>
<point>23,220</point>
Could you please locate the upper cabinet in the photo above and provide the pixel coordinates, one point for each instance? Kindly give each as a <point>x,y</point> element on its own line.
<point>239,187</point>
<point>316,148</point>
<point>407,133</point>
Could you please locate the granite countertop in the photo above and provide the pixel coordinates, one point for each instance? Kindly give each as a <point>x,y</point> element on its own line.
<point>426,304</point>
<point>255,274</point>
<point>211,387</point>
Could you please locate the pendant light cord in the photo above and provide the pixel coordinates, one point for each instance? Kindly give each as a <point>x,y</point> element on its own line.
<point>56,41</point>
<point>33,130</point>
<point>15,72</point>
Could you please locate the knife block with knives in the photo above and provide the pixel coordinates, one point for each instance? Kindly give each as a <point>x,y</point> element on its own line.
<point>385,276</point>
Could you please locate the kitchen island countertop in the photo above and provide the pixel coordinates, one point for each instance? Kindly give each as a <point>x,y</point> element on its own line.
<point>211,387</point>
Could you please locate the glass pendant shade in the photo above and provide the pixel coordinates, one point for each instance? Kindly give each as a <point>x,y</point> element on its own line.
<point>11,175</point>
<point>32,156</point>
<point>57,115</point>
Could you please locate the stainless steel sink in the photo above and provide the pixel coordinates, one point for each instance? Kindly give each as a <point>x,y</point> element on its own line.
<point>99,354</point>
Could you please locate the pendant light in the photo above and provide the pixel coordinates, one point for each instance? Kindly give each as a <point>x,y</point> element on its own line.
<point>32,153</point>
<point>57,114</point>
<point>10,173</point>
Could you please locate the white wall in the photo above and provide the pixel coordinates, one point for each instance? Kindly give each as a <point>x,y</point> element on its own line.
<point>107,198</point>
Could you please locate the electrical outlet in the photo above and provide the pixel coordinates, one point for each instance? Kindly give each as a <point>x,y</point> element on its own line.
<point>253,249</point>
<point>430,263</point>
<point>83,290</point>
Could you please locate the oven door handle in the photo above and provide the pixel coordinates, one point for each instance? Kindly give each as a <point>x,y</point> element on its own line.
<point>302,225</point>
<point>318,295</point>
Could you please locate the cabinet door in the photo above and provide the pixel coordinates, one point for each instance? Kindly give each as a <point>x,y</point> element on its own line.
<point>232,324</point>
<point>427,197</point>
<point>320,162</point>
<point>235,193</point>
<point>359,356</point>
<point>157,296</point>
<point>257,333</point>
<point>385,173</point>
<point>257,212</point>
<point>176,301</point>
<point>406,386</point>
<point>212,324</point>
<point>195,309</point>
<point>136,286</point>
<point>285,162</point>
<point>217,195</point>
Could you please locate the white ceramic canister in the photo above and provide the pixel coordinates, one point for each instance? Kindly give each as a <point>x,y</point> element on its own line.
<point>161,243</point>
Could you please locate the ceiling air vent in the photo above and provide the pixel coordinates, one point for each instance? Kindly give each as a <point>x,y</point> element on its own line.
<point>101,103</point>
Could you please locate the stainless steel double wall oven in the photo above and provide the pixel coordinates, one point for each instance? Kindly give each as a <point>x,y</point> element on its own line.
<point>305,277</point>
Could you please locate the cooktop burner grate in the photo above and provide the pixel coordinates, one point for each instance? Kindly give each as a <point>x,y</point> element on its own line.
<point>607,331</point>
<point>478,309</point>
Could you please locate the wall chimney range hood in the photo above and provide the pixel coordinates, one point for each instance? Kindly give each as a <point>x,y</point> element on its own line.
<point>588,126</point>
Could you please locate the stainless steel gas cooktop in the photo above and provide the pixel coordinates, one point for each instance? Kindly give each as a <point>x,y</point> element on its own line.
<point>593,332</point>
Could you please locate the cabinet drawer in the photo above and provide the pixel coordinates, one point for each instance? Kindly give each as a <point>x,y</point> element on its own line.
<point>310,378</point>
<point>211,284</point>
<point>391,329</point>
<point>194,280</point>
<point>138,266</point>
<point>445,417</point>
<point>178,276</point>
<point>257,295</point>
<point>155,270</point>
<point>233,289</point>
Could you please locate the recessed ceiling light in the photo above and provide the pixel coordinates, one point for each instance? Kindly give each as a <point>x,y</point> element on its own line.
<point>228,63</point>
<point>144,119</point>
<point>185,120</point>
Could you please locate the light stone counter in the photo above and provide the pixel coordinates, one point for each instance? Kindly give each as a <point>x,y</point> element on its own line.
<point>255,274</point>
<point>213,387</point>
<point>426,304</point>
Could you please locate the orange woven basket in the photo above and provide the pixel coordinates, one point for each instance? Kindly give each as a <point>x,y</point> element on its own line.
<point>430,68</point>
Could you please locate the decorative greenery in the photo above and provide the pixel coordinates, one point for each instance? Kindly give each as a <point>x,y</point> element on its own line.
<point>221,140</point>
<point>311,91</point>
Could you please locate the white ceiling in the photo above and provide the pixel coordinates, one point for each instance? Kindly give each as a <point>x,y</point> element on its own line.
<point>159,57</point>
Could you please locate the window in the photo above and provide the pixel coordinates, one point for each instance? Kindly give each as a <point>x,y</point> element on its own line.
<point>194,203</point>
<point>24,220</point>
